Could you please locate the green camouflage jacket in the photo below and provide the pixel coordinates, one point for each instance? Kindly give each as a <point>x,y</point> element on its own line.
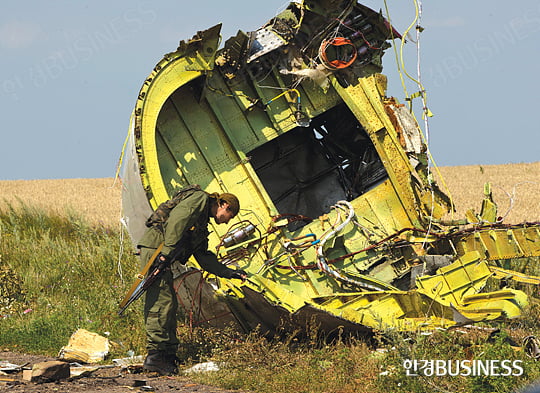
<point>185,233</point>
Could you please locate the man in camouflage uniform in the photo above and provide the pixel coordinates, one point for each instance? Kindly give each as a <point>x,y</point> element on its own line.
<point>183,234</point>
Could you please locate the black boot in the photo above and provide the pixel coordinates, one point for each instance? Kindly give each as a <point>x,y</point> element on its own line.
<point>160,362</point>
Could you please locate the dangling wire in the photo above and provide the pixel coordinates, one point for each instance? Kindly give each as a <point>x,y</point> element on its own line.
<point>322,262</point>
<point>426,113</point>
<point>324,32</point>
<point>121,159</point>
<point>302,12</point>
<point>283,93</point>
<point>121,253</point>
<point>122,222</point>
<point>394,46</point>
<point>511,198</point>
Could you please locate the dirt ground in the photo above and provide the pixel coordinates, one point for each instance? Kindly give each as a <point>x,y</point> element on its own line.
<point>109,379</point>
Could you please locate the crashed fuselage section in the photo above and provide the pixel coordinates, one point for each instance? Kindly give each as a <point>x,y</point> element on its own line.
<point>340,220</point>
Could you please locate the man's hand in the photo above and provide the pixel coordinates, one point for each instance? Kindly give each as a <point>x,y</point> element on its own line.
<point>164,259</point>
<point>239,274</point>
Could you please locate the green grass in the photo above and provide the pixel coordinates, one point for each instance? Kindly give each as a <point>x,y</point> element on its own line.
<point>58,274</point>
<point>63,274</point>
<point>353,366</point>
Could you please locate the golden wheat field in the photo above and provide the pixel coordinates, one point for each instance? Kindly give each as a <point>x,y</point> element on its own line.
<point>516,189</point>
<point>98,200</point>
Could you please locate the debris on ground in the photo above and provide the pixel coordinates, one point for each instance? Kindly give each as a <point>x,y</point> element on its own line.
<point>129,361</point>
<point>119,377</point>
<point>50,371</point>
<point>84,346</point>
<point>202,367</point>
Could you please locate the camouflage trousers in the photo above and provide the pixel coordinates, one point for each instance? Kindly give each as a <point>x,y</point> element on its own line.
<point>160,308</point>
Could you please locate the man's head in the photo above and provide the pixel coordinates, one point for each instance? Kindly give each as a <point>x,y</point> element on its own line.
<point>227,206</point>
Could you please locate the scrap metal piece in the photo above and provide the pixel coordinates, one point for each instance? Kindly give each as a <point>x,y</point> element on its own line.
<point>531,347</point>
<point>264,41</point>
<point>86,347</point>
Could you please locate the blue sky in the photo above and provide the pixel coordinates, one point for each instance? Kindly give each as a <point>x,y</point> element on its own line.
<point>70,72</point>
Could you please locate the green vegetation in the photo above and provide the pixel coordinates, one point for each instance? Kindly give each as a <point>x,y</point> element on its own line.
<point>354,366</point>
<point>58,273</point>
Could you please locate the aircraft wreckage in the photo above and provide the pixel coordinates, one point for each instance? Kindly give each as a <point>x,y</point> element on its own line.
<point>340,223</point>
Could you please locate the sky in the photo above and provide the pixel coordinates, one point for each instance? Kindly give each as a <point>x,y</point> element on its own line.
<point>70,72</point>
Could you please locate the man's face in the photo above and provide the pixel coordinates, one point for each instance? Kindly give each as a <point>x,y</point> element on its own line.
<point>223,214</point>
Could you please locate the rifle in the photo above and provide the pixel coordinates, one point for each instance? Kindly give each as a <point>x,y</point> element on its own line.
<point>143,281</point>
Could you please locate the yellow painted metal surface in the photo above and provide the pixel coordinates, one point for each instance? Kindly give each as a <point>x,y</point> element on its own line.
<point>501,243</point>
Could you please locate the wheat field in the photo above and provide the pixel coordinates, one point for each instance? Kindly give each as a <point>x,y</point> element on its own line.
<point>98,200</point>
<point>516,190</point>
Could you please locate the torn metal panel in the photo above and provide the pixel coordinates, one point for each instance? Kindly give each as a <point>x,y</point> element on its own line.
<point>500,242</point>
<point>405,125</point>
<point>263,42</point>
<point>451,283</point>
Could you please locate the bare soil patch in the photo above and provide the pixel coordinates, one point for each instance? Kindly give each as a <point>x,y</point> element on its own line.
<point>109,379</point>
